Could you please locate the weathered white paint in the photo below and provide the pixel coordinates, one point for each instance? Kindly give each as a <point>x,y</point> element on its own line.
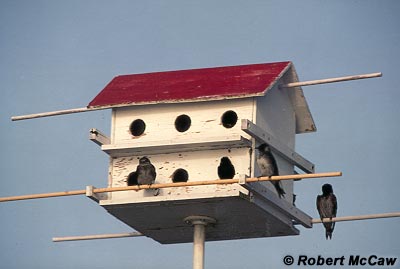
<point>197,150</point>
<point>160,121</point>
<point>172,146</point>
<point>201,165</point>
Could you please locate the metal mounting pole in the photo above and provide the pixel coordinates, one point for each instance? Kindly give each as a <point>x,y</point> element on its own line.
<point>199,235</point>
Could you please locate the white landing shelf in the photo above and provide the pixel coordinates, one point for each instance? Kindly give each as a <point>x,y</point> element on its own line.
<point>173,146</point>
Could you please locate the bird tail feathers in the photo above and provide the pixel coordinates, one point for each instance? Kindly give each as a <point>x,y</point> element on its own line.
<point>329,231</point>
<point>279,189</point>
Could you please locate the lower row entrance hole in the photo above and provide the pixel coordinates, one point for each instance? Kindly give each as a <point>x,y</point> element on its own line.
<point>180,175</point>
<point>226,170</point>
<point>132,179</point>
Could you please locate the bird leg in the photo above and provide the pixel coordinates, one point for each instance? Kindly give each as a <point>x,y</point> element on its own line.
<point>156,192</point>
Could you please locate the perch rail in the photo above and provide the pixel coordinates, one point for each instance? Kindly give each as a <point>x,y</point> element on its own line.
<point>289,85</point>
<point>136,234</point>
<point>169,185</point>
<point>330,80</point>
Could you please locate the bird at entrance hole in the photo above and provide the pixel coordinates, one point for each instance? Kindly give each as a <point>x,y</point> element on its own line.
<point>226,170</point>
<point>132,179</point>
<point>327,208</point>
<point>145,174</point>
<point>268,167</point>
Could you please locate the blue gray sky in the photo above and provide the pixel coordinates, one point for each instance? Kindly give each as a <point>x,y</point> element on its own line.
<point>60,54</point>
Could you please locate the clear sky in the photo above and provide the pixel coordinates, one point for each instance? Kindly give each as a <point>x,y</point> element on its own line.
<point>60,54</point>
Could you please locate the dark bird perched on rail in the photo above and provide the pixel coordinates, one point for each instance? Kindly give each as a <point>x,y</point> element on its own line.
<point>327,208</point>
<point>146,172</point>
<point>225,169</point>
<point>268,167</point>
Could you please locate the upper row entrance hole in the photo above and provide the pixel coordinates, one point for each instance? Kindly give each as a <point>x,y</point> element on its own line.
<point>229,119</point>
<point>137,127</point>
<point>182,123</point>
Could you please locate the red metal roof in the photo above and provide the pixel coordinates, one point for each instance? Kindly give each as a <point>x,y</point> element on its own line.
<point>191,85</point>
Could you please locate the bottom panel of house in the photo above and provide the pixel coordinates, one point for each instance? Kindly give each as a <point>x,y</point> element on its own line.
<point>238,215</point>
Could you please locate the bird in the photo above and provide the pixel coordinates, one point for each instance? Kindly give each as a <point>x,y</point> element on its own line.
<point>225,169</point>
<point>146,172</point>
<point>267,164</point>
<point>327,208</point>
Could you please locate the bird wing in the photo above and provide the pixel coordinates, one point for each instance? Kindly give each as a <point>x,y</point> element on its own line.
<point>318,202</point>
<point>325,206</point>
<point>334,202</point>
<point>267,164</point>
<point>335,207</point>
<point>274,165</point>
<point>153,172</point>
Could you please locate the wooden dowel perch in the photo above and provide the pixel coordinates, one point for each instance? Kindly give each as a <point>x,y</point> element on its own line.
<point>55,113</point>
<point>97,236</point>
<point>329,80</point>
<point>169,185</point>
<point>137,234</point>
<point>361,217</point>
<point>289,85</point>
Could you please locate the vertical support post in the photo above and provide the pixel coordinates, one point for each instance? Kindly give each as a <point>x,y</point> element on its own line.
<point>198,244</point>
<point>199,235</point>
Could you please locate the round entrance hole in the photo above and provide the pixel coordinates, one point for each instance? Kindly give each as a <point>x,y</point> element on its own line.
<point>182,123</point>
<point>137,127</point>
<point>229,119</point>
<point>132,179</point>
<point>226,170</point>
<point>180,175</point>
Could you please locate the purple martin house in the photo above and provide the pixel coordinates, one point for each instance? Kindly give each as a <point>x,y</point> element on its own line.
<point>185,122</point>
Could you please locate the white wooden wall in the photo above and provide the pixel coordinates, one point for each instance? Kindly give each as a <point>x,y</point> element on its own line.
<point>273,112</point>
<point>276,115</point>
<point>160,119</point>
<point>201,165</point>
